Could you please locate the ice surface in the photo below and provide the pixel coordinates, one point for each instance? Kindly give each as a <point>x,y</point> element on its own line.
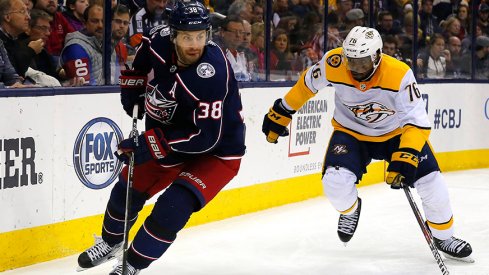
<point>301,238</point>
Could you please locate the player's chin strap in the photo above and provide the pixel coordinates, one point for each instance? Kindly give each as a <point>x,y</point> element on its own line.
<point>176,57</point>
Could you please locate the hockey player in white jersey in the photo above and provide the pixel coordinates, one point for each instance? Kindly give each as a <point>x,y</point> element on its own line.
<point>379,114</point>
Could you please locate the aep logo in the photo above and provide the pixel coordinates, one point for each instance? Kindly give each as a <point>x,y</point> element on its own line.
<point>93,156</point>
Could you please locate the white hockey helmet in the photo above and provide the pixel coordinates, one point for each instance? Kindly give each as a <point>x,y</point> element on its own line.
<point>363,42</point>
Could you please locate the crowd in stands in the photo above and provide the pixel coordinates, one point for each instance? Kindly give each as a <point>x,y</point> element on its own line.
<point>45,43</point>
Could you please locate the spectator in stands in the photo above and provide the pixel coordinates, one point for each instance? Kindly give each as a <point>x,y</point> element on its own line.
<point>481,59</point>
<point>444,8</point>
<point>334,39</point>
<point>230,39</point>
<point>306,58</point>
<point>15,22</point>
<point>257,15</point>
<point>483,18</point>
<point>365,6</point>
<point>280,9</point>
<point>120,26</point>
<point>29,4</point>
<point>280,57</point>
<point>60,27</point>
<point>302,8</point>
<point>246,44</point>
<point>221,6</point>
<point>433,62</point>
<point>82,55</point>
<point>8,76</point>
<point>386,24</point>
<point>390,48</point>
<point>257,45</point>
<point>467,41</point>
<point>464,17</point>
<point>151,15</point>
<point>39,29</point>
<point>454,70</point>
<point>242,9</point>
<point>73,13</point>
<point>452,27</point>
<point>342,7</point>
<point>354,17</point>
<point>406,38</point>
<point>429,23</point>
<point>290,25</point>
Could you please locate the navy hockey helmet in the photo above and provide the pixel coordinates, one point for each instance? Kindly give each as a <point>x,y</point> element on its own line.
<point>189,15</point>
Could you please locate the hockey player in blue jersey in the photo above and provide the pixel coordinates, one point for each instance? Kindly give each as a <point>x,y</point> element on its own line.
<point>196,131</point>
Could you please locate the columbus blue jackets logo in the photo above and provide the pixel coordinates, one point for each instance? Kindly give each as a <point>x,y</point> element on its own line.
<point>205,70</point>
<point>93,155</point>
<point>160,108</point>
<point>371,112</point>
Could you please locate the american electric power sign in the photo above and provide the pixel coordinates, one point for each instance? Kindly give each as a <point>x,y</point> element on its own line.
<point>93,155</point>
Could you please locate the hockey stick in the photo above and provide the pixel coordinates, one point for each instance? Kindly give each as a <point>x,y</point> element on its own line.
<point>426,232</point>
<point>130,174</point>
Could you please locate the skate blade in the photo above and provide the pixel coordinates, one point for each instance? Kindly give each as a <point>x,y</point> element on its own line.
<point>467,259</point>
<point>80,269</point>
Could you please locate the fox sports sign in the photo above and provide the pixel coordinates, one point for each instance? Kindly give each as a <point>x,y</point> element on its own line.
<point>93,155</point>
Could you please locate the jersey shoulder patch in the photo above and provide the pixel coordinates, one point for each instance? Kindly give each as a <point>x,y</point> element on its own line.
<point>334,58</point>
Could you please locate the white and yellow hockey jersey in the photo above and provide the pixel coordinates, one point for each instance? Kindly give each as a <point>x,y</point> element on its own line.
<point>388,104</point>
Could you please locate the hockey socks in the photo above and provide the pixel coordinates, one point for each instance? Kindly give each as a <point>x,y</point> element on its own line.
<point>170,214</point>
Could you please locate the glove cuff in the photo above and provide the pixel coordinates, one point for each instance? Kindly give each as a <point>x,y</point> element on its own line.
<point>132,81</point>
<point>157,143</point>
<point>280,108</point>
<point>406,155</point>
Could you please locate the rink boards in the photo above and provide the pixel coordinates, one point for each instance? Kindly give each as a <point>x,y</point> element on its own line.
<point>57,164</point>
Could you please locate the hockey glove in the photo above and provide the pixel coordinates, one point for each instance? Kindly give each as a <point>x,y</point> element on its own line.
<point>150,145</point>
<point>276,121</point>
<point>402,168</point>
<point>133,89</point>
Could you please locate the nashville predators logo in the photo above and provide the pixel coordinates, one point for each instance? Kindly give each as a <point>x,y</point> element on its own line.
<point>334,60</point>
<point>339,149</point>
<point>371,112</point>
<point>369,35</point>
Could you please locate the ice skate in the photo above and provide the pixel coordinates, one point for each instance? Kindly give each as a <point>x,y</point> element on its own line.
<point>347,224</point>
<point>99,253</point>
<point>129,271</point>
<point>455,249</point>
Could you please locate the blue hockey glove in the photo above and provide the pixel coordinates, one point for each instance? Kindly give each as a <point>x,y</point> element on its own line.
<point>402,168</point>
<point>151,145</point>
<point>276,121</point>
<point>133,90</point>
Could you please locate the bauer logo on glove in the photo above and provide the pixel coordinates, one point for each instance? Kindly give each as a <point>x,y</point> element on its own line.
<point>152,145</point>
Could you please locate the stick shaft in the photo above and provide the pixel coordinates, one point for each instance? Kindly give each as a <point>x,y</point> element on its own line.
<point>130,174</point>
<point>426,232</point>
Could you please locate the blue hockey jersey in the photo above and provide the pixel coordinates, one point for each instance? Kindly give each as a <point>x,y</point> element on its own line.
<point>197,107</point>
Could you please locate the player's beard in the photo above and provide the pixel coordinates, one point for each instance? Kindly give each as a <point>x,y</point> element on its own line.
<point>188,56</point>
